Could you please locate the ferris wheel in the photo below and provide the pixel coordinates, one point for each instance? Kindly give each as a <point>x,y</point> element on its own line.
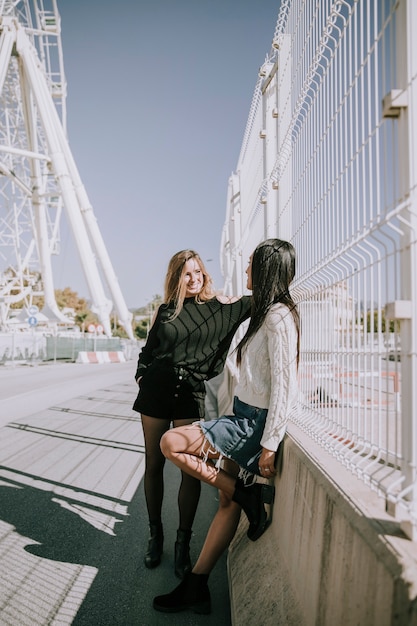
<point>39,180</point>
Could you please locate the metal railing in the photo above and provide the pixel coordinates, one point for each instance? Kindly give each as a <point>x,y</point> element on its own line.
<point>37,347</point>
<point>328,161</point>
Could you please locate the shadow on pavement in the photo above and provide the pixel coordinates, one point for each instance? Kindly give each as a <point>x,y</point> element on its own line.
<point>122,589</point>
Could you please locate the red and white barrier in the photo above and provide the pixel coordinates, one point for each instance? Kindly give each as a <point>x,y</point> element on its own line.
<point>101,357</point>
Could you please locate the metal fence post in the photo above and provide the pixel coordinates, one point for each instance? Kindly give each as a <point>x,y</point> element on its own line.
<point>407,130</point>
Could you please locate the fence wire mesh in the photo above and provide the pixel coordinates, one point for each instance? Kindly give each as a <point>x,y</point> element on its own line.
<point>328,161</point>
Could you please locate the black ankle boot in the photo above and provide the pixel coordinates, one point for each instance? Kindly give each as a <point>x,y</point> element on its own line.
<point>155,545</point>
<point>182,553</point>
<point>252,499</point>
<point>192,593</point>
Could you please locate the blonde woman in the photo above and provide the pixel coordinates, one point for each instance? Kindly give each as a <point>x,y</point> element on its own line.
<point>187,345</point>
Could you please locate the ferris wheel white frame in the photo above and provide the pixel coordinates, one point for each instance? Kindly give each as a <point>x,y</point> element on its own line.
<point>39,178</point>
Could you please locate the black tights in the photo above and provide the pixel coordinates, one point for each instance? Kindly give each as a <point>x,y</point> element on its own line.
<point>190,488</point>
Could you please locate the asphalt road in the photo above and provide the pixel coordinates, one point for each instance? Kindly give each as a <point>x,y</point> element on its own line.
<point>73,522</point>
<point>27,389</point>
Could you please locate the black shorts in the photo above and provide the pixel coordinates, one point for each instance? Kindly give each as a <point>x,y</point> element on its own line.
<point>170,398</point>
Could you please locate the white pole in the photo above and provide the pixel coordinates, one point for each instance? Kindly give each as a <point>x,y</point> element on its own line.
<point>52,127</point>
<point>407,127</point>
<point>38,204</point>
<point>7,39</point>
<point>125,316</point>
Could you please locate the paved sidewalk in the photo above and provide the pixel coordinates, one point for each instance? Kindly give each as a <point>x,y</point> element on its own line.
<point>73,523</point>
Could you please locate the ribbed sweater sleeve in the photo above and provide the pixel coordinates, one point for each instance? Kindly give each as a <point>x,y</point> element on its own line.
<point>282,350</point>
<point>152,342</point>
<point>268,373</point>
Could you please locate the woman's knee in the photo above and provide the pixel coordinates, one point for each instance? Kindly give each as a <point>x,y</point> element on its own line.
<point>185,439</point>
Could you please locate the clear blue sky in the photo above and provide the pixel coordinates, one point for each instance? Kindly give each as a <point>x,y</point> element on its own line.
<point>159,93</point>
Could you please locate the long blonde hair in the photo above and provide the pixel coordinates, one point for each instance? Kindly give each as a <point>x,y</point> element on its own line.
<point>175,288</point>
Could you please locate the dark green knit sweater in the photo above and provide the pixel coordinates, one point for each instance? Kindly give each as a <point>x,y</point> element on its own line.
<point>197,340</point>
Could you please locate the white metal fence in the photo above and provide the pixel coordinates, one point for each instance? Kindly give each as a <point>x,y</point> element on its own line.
<point>29,348</point>
<point>329,161</point>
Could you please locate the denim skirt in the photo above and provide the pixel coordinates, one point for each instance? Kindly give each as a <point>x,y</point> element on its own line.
<point>238,437</point>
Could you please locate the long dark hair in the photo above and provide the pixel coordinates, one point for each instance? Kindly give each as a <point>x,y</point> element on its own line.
<point>273,269</point>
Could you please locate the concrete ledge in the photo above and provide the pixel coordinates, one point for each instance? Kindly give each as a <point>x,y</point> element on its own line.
<point>332,557</point>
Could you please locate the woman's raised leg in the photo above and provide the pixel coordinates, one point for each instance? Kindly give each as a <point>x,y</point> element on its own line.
<point>187,448</point>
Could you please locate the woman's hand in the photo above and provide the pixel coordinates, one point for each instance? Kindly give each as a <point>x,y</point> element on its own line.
<point>267,463</point>
<point>226,299</point>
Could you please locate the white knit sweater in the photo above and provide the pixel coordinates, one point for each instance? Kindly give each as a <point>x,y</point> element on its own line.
<point>268,373</point>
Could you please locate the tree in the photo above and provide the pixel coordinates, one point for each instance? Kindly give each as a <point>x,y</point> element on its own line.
<point>68,299</point>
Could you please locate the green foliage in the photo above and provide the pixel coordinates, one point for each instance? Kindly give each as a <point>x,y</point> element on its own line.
<point>140,328</point>
<point>119,331</point>
<point>377,323</point>
<point>143,317</point>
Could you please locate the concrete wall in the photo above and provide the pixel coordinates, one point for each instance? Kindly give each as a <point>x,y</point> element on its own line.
<point>332,556</point>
